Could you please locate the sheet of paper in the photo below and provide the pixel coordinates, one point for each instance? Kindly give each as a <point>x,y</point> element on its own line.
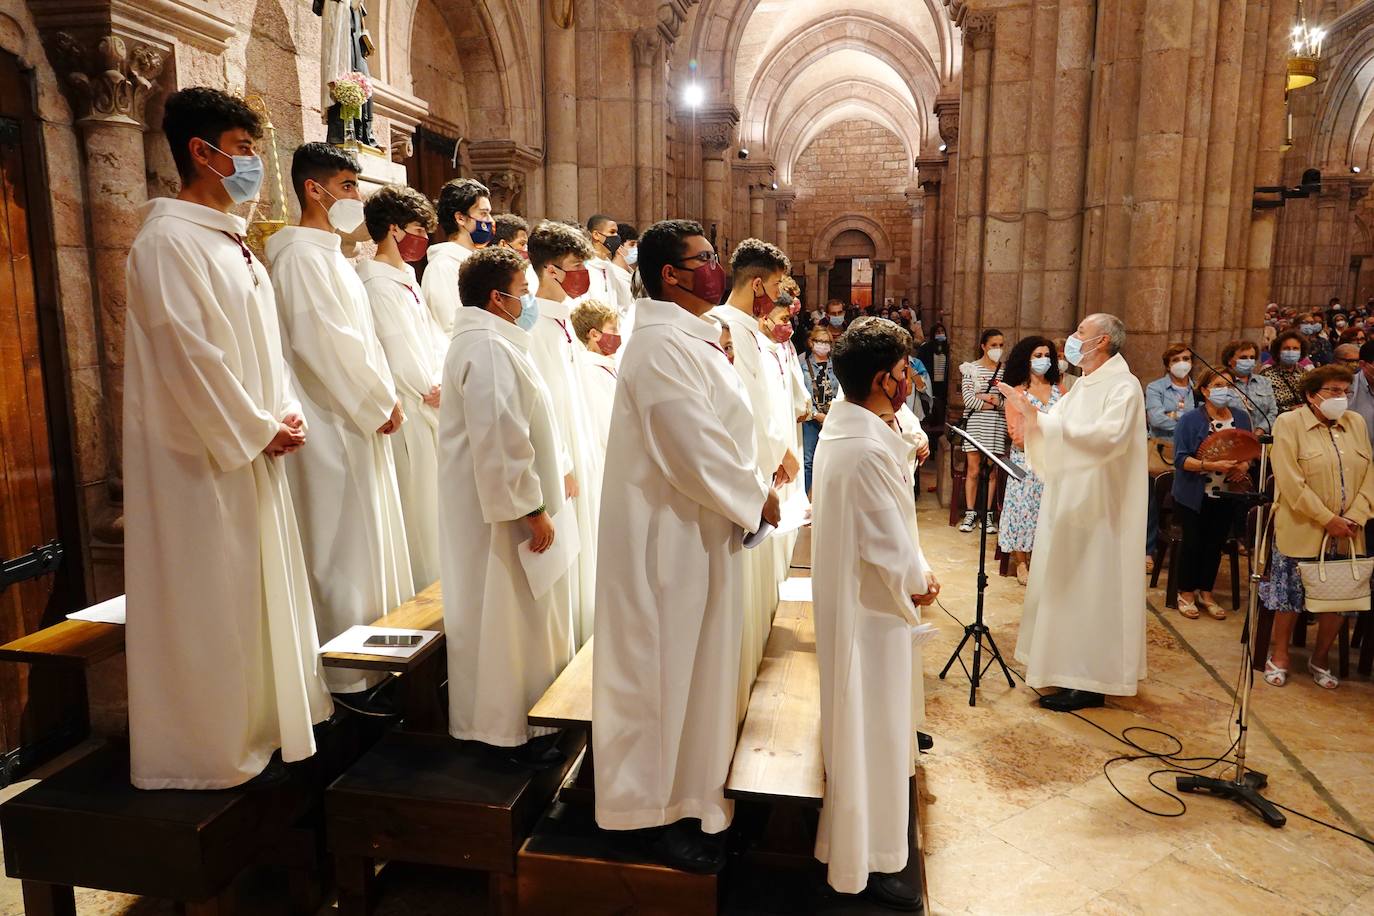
<point>795,514</point>
<point>111,611</point>
<point>351,641</point>
<point>923,633</point>
<point>544,569</point>
<point>756,538</point>
<point>796,588</point>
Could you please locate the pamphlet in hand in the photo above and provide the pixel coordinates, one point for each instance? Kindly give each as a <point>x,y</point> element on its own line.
<point>544,569</point>
<point>794,514</point>
<point>923,633</point>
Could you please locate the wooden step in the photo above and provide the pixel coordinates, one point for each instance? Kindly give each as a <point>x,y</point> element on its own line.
<point>570,867</point>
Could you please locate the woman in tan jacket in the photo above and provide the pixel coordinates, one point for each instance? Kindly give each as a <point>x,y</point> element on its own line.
<point>1324,484</point>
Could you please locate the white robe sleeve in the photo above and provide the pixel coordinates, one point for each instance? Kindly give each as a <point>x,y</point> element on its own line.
<point>409,348</point>
<point>884,540</point>
<point>496,408</point>
<point>440,286</point>
<point>1068,439</point>
<point>178,301</point>
<point>324,339</point>
<point>693,449</point>
<point>770,438</point>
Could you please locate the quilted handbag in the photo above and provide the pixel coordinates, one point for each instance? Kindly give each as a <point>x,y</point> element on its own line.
<point>1336,584</point>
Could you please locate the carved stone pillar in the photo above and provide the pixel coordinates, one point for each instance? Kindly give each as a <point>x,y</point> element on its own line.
<point>560,108</point>
<point>972,132</point>
<point>915,199</point>
<point>504,166</point>
<point>109,81</point>
<point>944,164</point>
<point>648,50</point>
<point>716,134</point>
<point>931,171</point>
<point>784,201</point>
<point>757,227</point>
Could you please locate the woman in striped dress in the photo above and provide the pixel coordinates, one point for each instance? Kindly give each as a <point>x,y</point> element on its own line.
<point>986,422</point>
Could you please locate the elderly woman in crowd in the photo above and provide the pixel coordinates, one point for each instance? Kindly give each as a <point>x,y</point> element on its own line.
<point>1324,485</point>
<point>1241,359</point>
<point>1171,396</point>
<point>1289,349</point>
<point>1205,516</point>
<point>822,385</point>
<point>1312,325</point>
<point>1033,367</point>
<point>986,424</point>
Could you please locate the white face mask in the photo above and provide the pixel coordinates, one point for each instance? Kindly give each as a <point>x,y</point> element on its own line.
<point>1333,408</point>
<point>1181,369</point>
<point>995,354</point>
<point>346,215</point>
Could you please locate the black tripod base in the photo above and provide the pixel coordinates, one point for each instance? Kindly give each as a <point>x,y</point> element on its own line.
<point>979,633</point>
<point>1246,792</point>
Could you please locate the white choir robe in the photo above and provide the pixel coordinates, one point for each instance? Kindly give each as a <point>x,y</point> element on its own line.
<point>788,405</point>
<point>557,355</point>
<point>1083,626</point>
<point>344,484</point>
<point>600,287</point>
<point>624,299</point>
<point>864,525</point>
<point>499,461</point>
<point>415,350</point>
<point>223,657</point>
<point>681,485</point>
<point>440,283</point>
<point>598,387</point>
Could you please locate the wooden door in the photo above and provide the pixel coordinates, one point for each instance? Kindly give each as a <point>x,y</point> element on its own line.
<point>33,703</point>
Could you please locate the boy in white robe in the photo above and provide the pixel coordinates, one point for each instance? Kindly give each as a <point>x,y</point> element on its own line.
<point>513,233</point>
<point>603,234</point>
<point>345,490</point>
<point>399,220</point>
<point>681,487</point>
<point>464,210</point>
<point>557,254</point>
<point>223,656</point>
<point>597,326</point>
<point>501,484</point>
<point>624,256</point>
<point>866,596</point>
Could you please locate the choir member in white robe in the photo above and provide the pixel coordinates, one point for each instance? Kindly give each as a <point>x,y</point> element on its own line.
<point>223,656</point>
<point>681,486</point>
<point>558,253</point>
<point>501,484</point>
<point>624,257</point>
<point>602,234</point>
<point>514,233</point>
<point>1083,627</point>
<point>865,602</point>
<point>399,220</point>
<point>597,327</point>
<point>344,486</point>
<point>464,211</point>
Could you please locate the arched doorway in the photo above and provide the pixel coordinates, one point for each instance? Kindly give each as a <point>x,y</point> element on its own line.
<point>851,277</point>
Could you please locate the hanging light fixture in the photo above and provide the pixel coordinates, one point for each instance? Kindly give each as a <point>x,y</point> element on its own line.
<point>1307,51</point>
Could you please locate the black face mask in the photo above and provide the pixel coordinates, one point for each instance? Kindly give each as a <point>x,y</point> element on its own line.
<point>612,243</point>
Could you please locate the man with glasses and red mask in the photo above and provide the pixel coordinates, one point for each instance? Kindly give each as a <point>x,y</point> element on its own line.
<point>558,254</point>
<point>681,488</point>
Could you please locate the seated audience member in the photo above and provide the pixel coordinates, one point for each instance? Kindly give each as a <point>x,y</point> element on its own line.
<point>1313,326</point>
<point>1285,373</point>
<point>867,599</point>
<point>1241,359</point>
<point>597,327</point>
<point>1033,367</point>
<point>1346,355</point>
<point>1324,486</point>
<point>1362,390</point>
<point>1171,396</point>
<point>1204,514</point>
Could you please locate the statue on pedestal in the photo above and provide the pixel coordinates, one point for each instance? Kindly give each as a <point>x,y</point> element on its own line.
<point>345,46</point>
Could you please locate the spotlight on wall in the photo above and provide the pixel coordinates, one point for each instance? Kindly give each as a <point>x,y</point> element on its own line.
<point>743,153</point>
<point>775,186</point>
<point>694,95</point>
<point>1355,169</point>
<point>944,147</point>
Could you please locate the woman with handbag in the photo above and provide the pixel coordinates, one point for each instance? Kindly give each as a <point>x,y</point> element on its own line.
<point>1324,493</point>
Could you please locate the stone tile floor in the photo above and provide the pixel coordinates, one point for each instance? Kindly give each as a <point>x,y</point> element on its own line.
<point>1019,816</point>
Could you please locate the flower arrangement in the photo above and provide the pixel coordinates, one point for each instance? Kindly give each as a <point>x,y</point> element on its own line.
<point>351,91</point>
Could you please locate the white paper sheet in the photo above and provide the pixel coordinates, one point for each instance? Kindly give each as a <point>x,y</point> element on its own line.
<point>923,633</point>
<point>795,514</point>
<point>795,588</point>
<point>544,569</point>
<point>111,611</point>
<point>351,641</point>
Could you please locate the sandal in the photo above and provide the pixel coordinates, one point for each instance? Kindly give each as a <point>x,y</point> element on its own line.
<point>1188,609</point>
<point>1022,573</point>
<point>1214,610</point>
<point>1274,676</point>
<point>1323,676</point>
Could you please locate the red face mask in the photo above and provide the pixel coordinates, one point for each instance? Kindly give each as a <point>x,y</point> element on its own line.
<point>782,333</point>
<point>576,282</point>
<point>609,343</point>
<point>763,304</point>
<point>708,282</point>
<point>412,247</point>
<point>903,391</point>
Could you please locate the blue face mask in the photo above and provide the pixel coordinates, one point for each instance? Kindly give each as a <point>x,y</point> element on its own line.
<point>1290,357</point>
<point>1309,329</point>
<point>529,310</point>
<point>1245,366</point>
<point>631,254</point>
<point>836,320</point>
<point>1222,397</point>
<point>1073,351</point>
<point>245,181</point>
<point>1040,365</point>
<point>482,232</point>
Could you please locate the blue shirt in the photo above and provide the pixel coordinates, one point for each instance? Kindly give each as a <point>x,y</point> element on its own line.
<point>1162,399</point>
<point>1260,391</point>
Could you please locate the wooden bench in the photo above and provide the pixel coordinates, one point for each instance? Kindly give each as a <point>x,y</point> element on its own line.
<point>71,642</point>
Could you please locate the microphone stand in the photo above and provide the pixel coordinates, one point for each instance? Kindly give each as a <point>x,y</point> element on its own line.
<point>1244,788</point>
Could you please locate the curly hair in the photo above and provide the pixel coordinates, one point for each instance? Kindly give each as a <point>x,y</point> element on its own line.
<point>1314,381</point>
<point>591,315</point>
<point>1287,334</point>
<point>205,113</point>
<point>870,346</point>
<point>487,269</point>
<point>399,206</point>
<point>1017,369</point>
<point>756,258</point>
<point>456,198</point>
<point>552,240</point>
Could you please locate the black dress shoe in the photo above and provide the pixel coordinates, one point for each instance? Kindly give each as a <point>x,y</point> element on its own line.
<point>892,892</point>
<point>272,775</point>
<point>924,742</point>
<point>686,848</point>
<point>540,753</point>
<point>378,701</point>
<point>1070,700</point>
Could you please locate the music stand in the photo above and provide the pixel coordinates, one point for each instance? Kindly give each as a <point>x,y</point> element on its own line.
<point>978,631</point>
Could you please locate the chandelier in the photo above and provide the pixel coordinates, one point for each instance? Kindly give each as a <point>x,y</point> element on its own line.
<point>1307,50</point>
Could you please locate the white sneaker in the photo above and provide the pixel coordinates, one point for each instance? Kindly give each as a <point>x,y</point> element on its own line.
<point>991,524</point>
<point>969,523</point>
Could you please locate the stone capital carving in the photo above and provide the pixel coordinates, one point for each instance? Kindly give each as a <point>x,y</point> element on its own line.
<point>716,128</point>
<point>160,23</point>
<point>980,28</point>
<point>916,200</point>
<point>947,114</point>
<point>671,16</point>
<point>503,166</point>
<point>785,199</point>
<point>647,45</point>
<point>109,80</point>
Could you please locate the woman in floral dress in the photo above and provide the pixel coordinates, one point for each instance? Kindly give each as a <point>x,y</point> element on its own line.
<point>1034,368</point>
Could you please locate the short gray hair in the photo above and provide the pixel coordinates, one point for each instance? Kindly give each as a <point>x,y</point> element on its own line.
<point>1113,327</point>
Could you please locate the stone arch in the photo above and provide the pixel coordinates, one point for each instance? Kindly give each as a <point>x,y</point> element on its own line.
<point>828,106</point>
<point>1344,122</point>
<point>850,30</point>
<point>882,245</point>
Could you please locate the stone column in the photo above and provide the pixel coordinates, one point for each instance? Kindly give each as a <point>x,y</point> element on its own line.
<point>979,32</point>
<point>947,110</point>
<point>915,199</point>
<point>784,201</point>
<point>505,167</point>
<point>879,285</point>
<point>109,81</point>
<point>716,134</point>
<point>756,224</point>
<point>647,51</point>
<point>931,171</point>
<point>560,109</point>
<point>1059,287</point>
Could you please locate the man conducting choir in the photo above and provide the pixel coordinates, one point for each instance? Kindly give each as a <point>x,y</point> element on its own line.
<point>680,487</point>
<point>344,485</point>
<point>223,655</point>
<point>866,595</point>
<point>500,486</point>
<point>1083,627</point>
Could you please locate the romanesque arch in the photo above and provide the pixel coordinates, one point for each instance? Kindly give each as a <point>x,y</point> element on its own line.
<point>820,247</point>
<point>837,102</point>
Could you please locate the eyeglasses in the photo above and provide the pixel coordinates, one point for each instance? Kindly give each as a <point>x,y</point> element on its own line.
<point>1334,392</point>
<point>705,257</point>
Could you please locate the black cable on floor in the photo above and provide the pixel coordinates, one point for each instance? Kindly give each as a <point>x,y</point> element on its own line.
<point>1179,766</point>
